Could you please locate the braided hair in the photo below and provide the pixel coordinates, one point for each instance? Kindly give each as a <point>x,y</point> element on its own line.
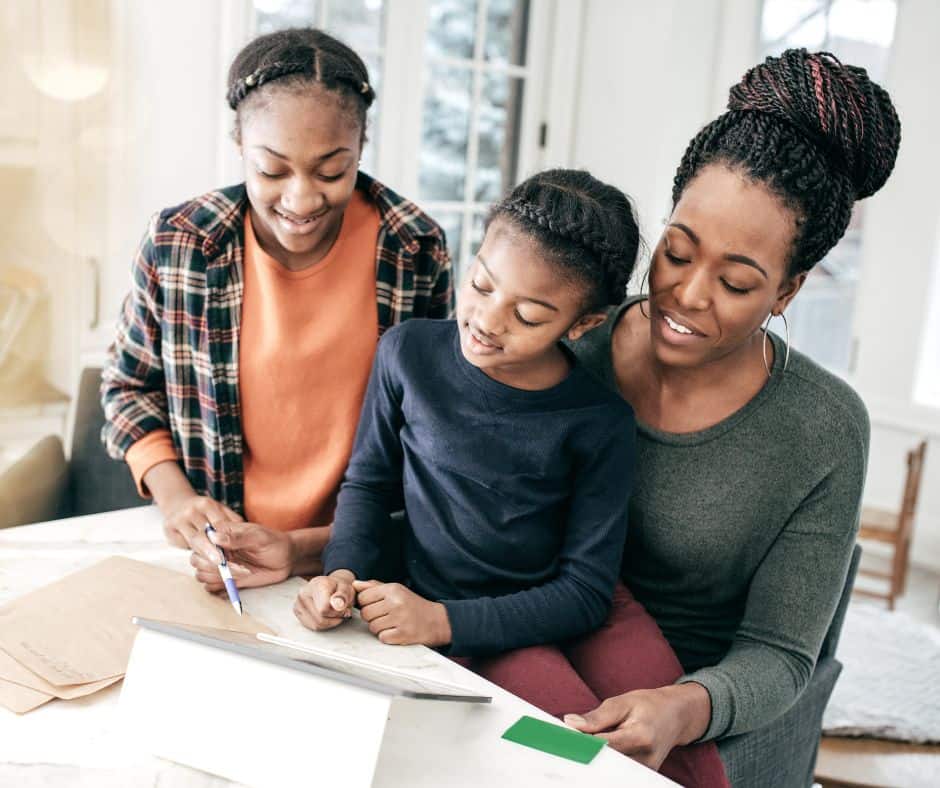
<point>295,58</point>
<point>586,227</point>
<point>819,134</point>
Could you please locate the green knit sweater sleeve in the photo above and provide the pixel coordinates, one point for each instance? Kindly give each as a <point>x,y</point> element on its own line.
<point>797,584</point>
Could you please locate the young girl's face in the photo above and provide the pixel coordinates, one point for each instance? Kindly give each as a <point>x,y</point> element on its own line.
<point>513,306</point>
<point>301,155</point>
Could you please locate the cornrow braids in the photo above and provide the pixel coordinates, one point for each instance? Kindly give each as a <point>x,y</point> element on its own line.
<point>586,227</point>
<point>295,58</point>
<point>818,133</point>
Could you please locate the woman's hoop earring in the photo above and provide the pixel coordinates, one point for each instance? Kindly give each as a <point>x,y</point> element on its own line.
<point>646,278</point>
<point>786,328</point>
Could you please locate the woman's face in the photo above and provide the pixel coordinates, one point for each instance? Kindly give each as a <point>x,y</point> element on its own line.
<point>301,155</point>
<point>719,269</point>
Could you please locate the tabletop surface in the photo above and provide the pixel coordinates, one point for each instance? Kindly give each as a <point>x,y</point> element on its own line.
<point>78,742</point>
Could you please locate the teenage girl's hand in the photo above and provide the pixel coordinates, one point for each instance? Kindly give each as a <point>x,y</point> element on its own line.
<point>647,724</point>
<point>326,601</point>
<point>257,556</point>
<point>185,524</point>
<point>399,616</point>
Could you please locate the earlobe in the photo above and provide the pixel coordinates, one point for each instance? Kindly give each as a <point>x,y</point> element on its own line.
<point>585,324</point>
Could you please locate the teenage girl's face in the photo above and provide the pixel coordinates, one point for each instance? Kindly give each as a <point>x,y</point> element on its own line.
<point>513,306</point>
<point>719,268</point>
<point>301,155</point>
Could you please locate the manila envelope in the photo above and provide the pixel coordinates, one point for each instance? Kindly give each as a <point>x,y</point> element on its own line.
<point>20,699</point>
<point>78,630</point>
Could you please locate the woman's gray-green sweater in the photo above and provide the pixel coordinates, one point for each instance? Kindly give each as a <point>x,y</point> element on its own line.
<point>740,535</point>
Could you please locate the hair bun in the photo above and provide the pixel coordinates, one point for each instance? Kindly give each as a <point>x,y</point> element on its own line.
<point>837,107</point>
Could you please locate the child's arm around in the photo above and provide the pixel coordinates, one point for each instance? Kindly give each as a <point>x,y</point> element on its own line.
<point>371,490</point>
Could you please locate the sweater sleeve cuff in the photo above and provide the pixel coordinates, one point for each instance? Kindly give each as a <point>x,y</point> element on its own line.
<point>346,555</point>
<point>464,640</point>
<point>155,447</point>
<point>721,697</point>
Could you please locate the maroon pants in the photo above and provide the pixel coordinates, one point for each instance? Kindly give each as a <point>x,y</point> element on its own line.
<point>629,652</point>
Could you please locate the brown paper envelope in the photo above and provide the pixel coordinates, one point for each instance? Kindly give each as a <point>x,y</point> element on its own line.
<point>13,671</point>
<point>78,629</point>
<point>21,699</point>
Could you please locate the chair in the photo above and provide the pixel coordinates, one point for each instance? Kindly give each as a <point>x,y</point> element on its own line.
<point>894,528</point>
<point>783,753</point>
<point>43,485</point>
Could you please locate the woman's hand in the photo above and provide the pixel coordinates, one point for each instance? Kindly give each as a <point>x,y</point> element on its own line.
<point>257,556</point>
<point>399,616</point>
<point>647,724</point>
<point>186,519</point>
<point>326,601</point>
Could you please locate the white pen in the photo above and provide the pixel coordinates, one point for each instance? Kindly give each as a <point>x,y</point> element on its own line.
<point>226,573</point>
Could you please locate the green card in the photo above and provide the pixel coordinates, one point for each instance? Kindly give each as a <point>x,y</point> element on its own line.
<point>555,739</point>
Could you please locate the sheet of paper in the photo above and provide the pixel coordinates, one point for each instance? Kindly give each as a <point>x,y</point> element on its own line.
<point>20,699</point>
<point>78,629</point>
<point>13,671</point>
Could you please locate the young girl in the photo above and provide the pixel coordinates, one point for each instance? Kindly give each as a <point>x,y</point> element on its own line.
<point>234,386</point>
<point>509,460</point>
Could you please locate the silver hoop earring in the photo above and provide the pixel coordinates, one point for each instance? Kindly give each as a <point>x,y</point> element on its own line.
<point>786,328</point>
<point>644,296</point>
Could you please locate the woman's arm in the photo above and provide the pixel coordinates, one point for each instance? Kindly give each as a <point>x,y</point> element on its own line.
<point>133,390</point>
<point>372,486</point>
<point>792,598</point>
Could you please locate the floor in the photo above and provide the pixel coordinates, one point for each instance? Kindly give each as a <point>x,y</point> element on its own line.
<point>845,763</point>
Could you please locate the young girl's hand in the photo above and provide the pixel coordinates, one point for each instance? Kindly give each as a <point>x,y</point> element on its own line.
<point>326,601</point>
<point>398,616</point>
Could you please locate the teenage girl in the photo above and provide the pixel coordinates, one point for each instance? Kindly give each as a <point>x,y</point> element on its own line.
<point>512,464</point>
<point>243,350</point>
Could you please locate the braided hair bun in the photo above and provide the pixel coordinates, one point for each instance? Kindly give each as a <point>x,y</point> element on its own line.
<point>850,118</point>
<point>818,133</point>
<point>586,227</point>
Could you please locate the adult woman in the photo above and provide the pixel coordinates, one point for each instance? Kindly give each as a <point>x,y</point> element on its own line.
<point>751,459</point>
<point>244,347</point>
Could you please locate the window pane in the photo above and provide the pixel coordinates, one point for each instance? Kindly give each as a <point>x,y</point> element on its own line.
<point>444,134</point>
<point>451,28</point>
<point>507,23</point>
<point>781,16</point>
<point>452,223</point>
<point>499,121</point>
<point>476,233</point>
<point>277,14</point>
<point>358,23</point>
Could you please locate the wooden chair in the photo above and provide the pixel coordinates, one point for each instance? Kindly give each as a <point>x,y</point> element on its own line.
<point>894,528</point>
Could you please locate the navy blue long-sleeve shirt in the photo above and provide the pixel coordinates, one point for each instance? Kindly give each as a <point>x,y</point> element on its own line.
<point>516,500</point>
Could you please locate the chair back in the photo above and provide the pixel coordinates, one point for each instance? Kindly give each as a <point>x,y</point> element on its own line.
<point>34,488</point>
<point>915,467</point>
<point>97,483</point>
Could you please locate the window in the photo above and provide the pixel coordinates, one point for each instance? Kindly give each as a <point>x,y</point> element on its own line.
<point>455,126</point>
<point>859,32</point>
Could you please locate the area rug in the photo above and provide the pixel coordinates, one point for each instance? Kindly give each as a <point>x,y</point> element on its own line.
<point>890,682</point>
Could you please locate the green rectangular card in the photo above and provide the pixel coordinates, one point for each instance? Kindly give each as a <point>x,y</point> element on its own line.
<point>554,739</point>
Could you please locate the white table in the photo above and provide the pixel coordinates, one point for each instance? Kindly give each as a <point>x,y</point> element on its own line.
<point>78,742</point>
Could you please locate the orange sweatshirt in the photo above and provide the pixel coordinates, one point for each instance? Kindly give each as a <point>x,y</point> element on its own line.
<point>307,340</point>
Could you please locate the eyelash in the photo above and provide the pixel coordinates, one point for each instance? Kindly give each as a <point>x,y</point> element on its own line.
<point>518,317</point>
<point>273,176</point>
<point>730,288</point>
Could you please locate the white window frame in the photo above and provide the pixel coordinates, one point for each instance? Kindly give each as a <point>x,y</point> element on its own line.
<point>552,51</point>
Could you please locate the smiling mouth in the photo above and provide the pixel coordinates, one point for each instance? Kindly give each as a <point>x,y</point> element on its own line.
<point>300,222</point>
<point>480,340</point>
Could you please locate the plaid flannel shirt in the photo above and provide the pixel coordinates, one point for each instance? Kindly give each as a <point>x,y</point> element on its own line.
<point>174,362</point>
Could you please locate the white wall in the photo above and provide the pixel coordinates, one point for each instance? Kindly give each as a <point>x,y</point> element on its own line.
<point>900,257</point>
<point>652,74</point>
